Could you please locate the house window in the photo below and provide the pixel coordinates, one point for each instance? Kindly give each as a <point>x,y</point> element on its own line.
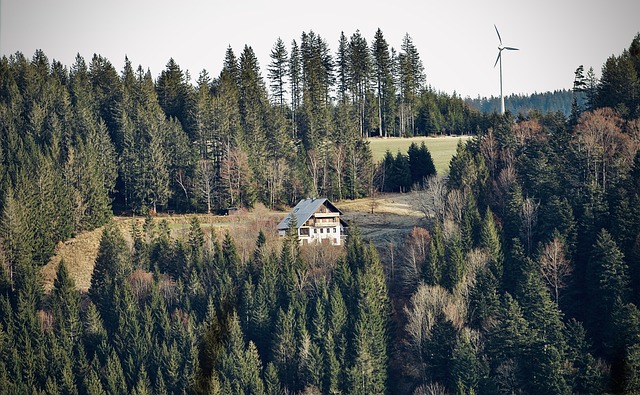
<point>322,230</point>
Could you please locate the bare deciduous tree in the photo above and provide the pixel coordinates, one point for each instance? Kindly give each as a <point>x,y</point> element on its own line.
<point>600,136</point>
<point>140,281</point>
<point>204,174</point>
<point>456,202</point>
<point>426,304</point>
<point>236,174</point>
<point>633,130</point>
<point>431,198</point>
<point>554,265</point>
<point>489,149</point>
<point>507,377</point>
<point>276,174</point>
<point>431,389</point>
<point>529,130</point>
<point>415,251</point>
<point>529,220</point>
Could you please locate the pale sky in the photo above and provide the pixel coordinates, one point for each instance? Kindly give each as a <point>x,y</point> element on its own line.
<point>456,39</point>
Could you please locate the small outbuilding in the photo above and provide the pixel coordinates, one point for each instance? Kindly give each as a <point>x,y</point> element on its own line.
<point>317,221</point>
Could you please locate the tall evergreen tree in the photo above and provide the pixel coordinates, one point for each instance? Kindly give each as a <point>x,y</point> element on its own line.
<point>411,79</point>
<point>607,282</point>
<point>175,95</point>
<point>278,71</point>
<point>383,78</point>
<point>112,265</point>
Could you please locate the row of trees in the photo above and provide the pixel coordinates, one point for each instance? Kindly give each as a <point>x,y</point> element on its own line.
<point>556,101</point>
<point>402,172</point>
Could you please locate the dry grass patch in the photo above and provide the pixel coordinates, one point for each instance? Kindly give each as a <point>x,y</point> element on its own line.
<point>80,252</point>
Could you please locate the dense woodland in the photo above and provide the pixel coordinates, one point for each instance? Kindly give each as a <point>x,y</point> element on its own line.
<point>524,279</point>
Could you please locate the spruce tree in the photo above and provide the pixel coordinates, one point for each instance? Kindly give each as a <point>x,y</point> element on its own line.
<point>114,382</point>
<point>92,383</point>
<point>435,262</point>
<point>113,265</point>
<point>490,242</point>
<point>278,71</point>
<point>420,163</point>
<point>607,282</point>
<point>455,268</point>
<point>272,381</point>
<point>65,304</point>
<point>465,365</point>
<point>586,376</point>
<point>382,65</point>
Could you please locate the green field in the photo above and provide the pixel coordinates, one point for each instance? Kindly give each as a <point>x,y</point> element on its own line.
<point>441,148</point>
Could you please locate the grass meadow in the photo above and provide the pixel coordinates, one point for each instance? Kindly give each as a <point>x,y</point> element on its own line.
<point>441,148</point>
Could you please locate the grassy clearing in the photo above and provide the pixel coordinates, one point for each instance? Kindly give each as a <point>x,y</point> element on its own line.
<point>80,253</point>
<point>441,148</point>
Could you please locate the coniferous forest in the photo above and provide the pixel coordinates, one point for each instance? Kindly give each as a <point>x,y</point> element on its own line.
<point>557,101</point>
<point>524,279</point>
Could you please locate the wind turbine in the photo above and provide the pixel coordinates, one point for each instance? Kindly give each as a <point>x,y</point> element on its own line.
<point>499,59</point>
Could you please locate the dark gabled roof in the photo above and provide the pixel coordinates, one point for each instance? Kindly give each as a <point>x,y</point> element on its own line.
<point>304,210</point>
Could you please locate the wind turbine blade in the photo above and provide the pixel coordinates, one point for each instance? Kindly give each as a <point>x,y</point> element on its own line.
<point>497,59</point>
<point>511,48</point>
<point>499,38</point>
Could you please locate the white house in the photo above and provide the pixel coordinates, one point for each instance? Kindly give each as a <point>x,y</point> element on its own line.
<point>317,220</point>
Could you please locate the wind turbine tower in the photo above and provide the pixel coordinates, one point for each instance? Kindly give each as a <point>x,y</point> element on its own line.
<point>499,59</point>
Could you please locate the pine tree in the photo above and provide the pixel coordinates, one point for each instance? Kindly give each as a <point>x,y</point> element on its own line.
<point>284,347</point>
<point>369,372</point>
<point>174,95</point>
<point>632,370</point>
<point>94,334</point>
<point>358,76</point>
<point>508,338</point>
<point>15,238</point>
<point>196,242</point>
<point>295,77</point>
<point>435,261</point>
<point>439,351</point>
<point>143,386</point>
